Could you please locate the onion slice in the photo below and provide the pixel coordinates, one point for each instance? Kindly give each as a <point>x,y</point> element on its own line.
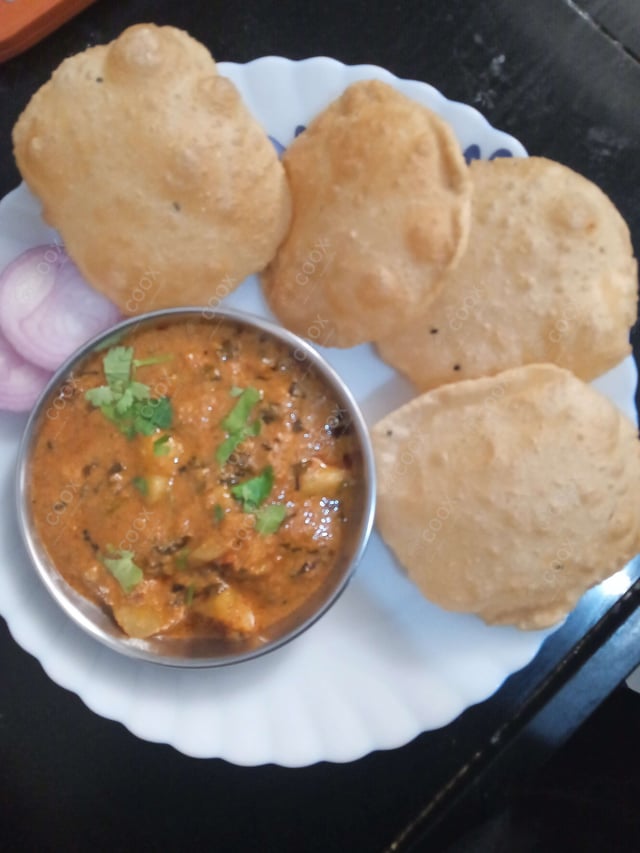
<point>20,381</point>
<point>47,310</point>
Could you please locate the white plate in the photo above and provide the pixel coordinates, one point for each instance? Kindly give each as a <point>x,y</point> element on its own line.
<point>384,664</point>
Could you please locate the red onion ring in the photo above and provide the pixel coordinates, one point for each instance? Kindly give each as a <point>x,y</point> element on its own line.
<point>47,310</point>
<point>20,381</point>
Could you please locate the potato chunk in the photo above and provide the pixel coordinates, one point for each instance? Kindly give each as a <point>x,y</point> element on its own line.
<point>160,453</point>
<point>209,551</point>
<point>321,480</point>
<point>157,488</point>
<point>147,611</point>
<point>230,608</point>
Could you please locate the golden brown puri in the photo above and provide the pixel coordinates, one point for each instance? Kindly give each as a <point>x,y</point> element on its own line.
<point>165,189</point>
<point>381,200</point>
<point>548,276</point>
<point>509,496</point>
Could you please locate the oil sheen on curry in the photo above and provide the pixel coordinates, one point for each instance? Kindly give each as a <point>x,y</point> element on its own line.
<point>196,480</point>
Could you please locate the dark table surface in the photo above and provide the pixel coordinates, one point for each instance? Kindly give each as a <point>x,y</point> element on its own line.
<point>564,78</point>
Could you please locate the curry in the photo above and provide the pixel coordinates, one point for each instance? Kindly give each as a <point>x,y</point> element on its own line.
<point>195,479</point>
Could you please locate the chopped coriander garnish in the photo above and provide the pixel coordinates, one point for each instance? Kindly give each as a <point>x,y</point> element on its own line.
<point>237,417</point>
<point>125,402</point>
<point>227,447</point>
<point>117,365</point>
<point>99,396</point>
<point>235,423</point>
<point>269,518</point>
<point>232,441</point>
<point>218,514</point>
<point>182,558</point>
<point>254,492</point>
<point>153,415</point>
<point>141,485</point>
<point>142,416</point>
<point>161,446</point>
<point>136,392</point>
<point>153,359</point>
<point>189,594</point>
<point>120,564</point>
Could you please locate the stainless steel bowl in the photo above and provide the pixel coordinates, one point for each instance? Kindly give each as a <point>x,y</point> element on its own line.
<point>200,652</point>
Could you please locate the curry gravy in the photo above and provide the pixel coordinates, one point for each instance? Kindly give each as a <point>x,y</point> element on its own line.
<point>155,527</point>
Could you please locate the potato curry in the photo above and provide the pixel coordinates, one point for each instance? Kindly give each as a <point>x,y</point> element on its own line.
<point>195,479</point>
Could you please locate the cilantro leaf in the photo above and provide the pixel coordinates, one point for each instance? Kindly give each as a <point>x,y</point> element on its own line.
<point>125,402</point>
<point>182,559</point>
<point>254,492</point>
<point>154,359</point>
<point>120,564</point>
<point>140,391</point>
<point>99,396</point>
<point>117,370</point>
<point>232,441</point>
<point>117,365</point>
<point>143,417</point>
<point>237,417</point>
<point>149,415</point>
<point>269,518</point>
<point>218,514</point>
<point>109,411</point>
<point>161,446</point>
<point>235,423</point>
<point>141,485</point>
<point>226,448</point>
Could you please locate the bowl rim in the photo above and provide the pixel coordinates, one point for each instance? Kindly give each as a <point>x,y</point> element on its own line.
<point>53,580</point>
